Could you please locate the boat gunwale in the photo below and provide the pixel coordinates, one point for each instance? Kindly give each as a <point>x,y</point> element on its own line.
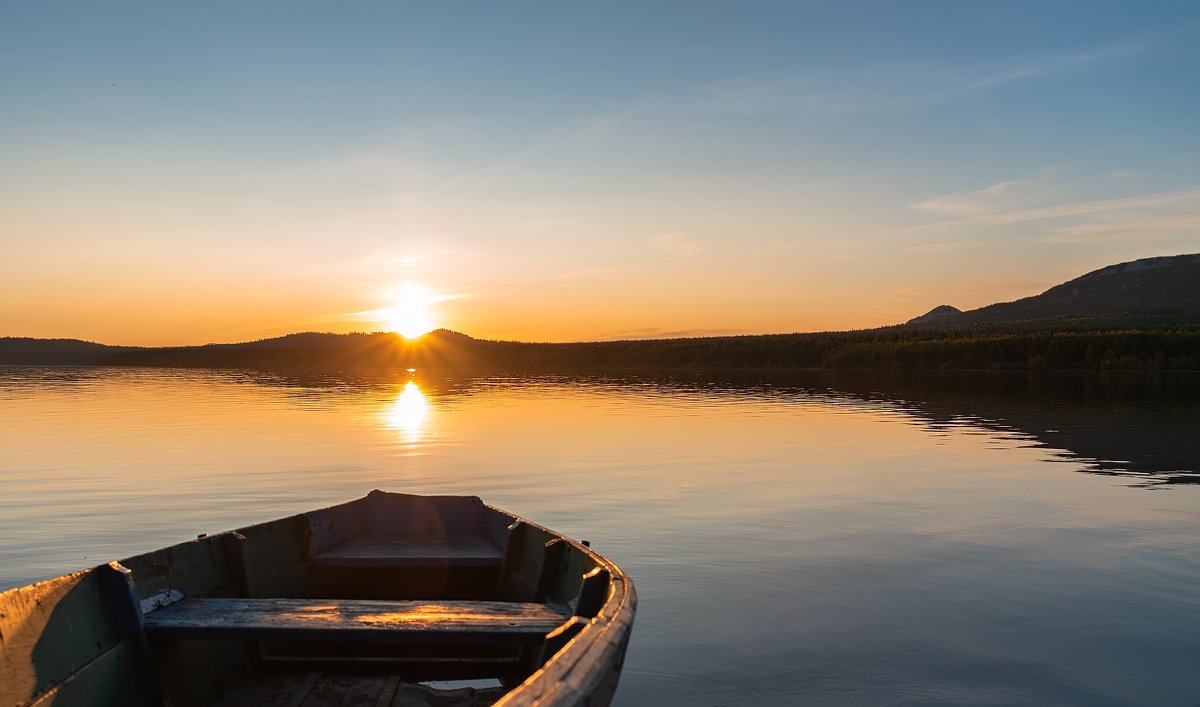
<point>571,675</point>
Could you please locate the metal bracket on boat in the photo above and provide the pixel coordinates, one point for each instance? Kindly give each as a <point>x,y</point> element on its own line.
<point>164,598</point>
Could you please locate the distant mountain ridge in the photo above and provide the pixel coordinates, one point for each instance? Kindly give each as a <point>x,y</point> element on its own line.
<point>1166,286</point>
<point>1140,315</point>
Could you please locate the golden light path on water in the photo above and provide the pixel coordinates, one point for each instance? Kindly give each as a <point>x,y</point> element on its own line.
<point>408,411</point>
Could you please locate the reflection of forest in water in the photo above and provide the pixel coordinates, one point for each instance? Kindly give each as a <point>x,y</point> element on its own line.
<point>1132,424</point>
<point>1141,425</point>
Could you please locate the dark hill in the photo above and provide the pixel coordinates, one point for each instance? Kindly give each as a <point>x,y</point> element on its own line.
<point>1158,292</point>
<point>935,315</point>
<point>19,351</point>
<point>315,351</point>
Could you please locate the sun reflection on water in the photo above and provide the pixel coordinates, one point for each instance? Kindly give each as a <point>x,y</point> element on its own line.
<point>407,413</point>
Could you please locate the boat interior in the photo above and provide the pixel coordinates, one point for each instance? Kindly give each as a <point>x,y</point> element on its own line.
<point>388,600</point>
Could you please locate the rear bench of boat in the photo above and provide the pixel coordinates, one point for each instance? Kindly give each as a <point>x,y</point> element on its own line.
<point>386,545</point>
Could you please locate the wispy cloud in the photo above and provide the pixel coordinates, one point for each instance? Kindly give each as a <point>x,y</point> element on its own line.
<point>655,333</point>
<point>675,244</point>
<point>1003,196</point>
<point>487,174</point>
<point>567,276</point>
<point>1026,200</point>
<point>424,298</point>
<point>393,262</point>
<point>595,128</point>
<point>1080,208</point>
<point>1142,228</point>
<point>1026,66</point>
<point>1044,197</point>
<point>938,247</point>
<point>379,268</point>
<point>546,223</point>
<point>867,89</point>
<point>896,86</point>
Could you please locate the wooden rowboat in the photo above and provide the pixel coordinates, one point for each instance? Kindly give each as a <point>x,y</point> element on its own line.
<point>387,600</point>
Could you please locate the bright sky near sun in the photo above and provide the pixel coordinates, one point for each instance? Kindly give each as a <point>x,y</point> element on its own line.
<point>183,173</point>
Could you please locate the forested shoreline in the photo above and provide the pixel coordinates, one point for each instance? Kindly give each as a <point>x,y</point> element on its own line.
<point>896,348</point>
<point>875,350</point>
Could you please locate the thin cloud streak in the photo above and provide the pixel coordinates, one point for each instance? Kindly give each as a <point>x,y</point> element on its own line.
<point>1080,208</point>
<point>1028,66</point>
<point>675,244</point>
<point>1147,229</point>
<point>655,333</point>
<point>1091,207</point>
<point>577,274</point>
<point>938,247</point>
<point>1002,196</point>
<point>874,88</point>
<point>886,87</point>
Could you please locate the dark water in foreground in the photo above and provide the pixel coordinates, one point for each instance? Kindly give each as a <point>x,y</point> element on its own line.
<point>828,540</point>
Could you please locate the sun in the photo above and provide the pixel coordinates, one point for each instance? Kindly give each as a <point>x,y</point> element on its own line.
<point>411,316</point>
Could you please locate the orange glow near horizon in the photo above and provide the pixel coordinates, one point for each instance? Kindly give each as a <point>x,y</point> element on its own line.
<point>157,313</point>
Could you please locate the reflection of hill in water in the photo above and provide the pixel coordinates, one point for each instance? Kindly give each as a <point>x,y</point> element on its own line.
<point>1127,424</point>
<point>1134,424</point>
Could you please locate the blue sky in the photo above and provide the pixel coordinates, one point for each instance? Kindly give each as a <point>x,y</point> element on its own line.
<point>556,171</point>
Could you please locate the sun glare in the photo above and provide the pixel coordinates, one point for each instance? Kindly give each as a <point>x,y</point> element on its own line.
<point>407,413</point>
<point>411,316</point>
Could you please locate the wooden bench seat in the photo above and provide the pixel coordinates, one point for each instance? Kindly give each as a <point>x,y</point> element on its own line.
<point>381,551</point>
<point>369,621</point>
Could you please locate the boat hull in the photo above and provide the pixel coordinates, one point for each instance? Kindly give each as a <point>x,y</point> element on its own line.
<point>377,595</point>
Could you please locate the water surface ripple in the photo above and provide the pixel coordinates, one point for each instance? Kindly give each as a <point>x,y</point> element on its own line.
<point>827,539</point>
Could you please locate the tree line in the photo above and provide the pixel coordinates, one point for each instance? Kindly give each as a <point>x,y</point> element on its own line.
<point>895,348</point>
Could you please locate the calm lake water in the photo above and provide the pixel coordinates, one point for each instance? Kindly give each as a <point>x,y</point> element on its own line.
<point>987,539</point>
